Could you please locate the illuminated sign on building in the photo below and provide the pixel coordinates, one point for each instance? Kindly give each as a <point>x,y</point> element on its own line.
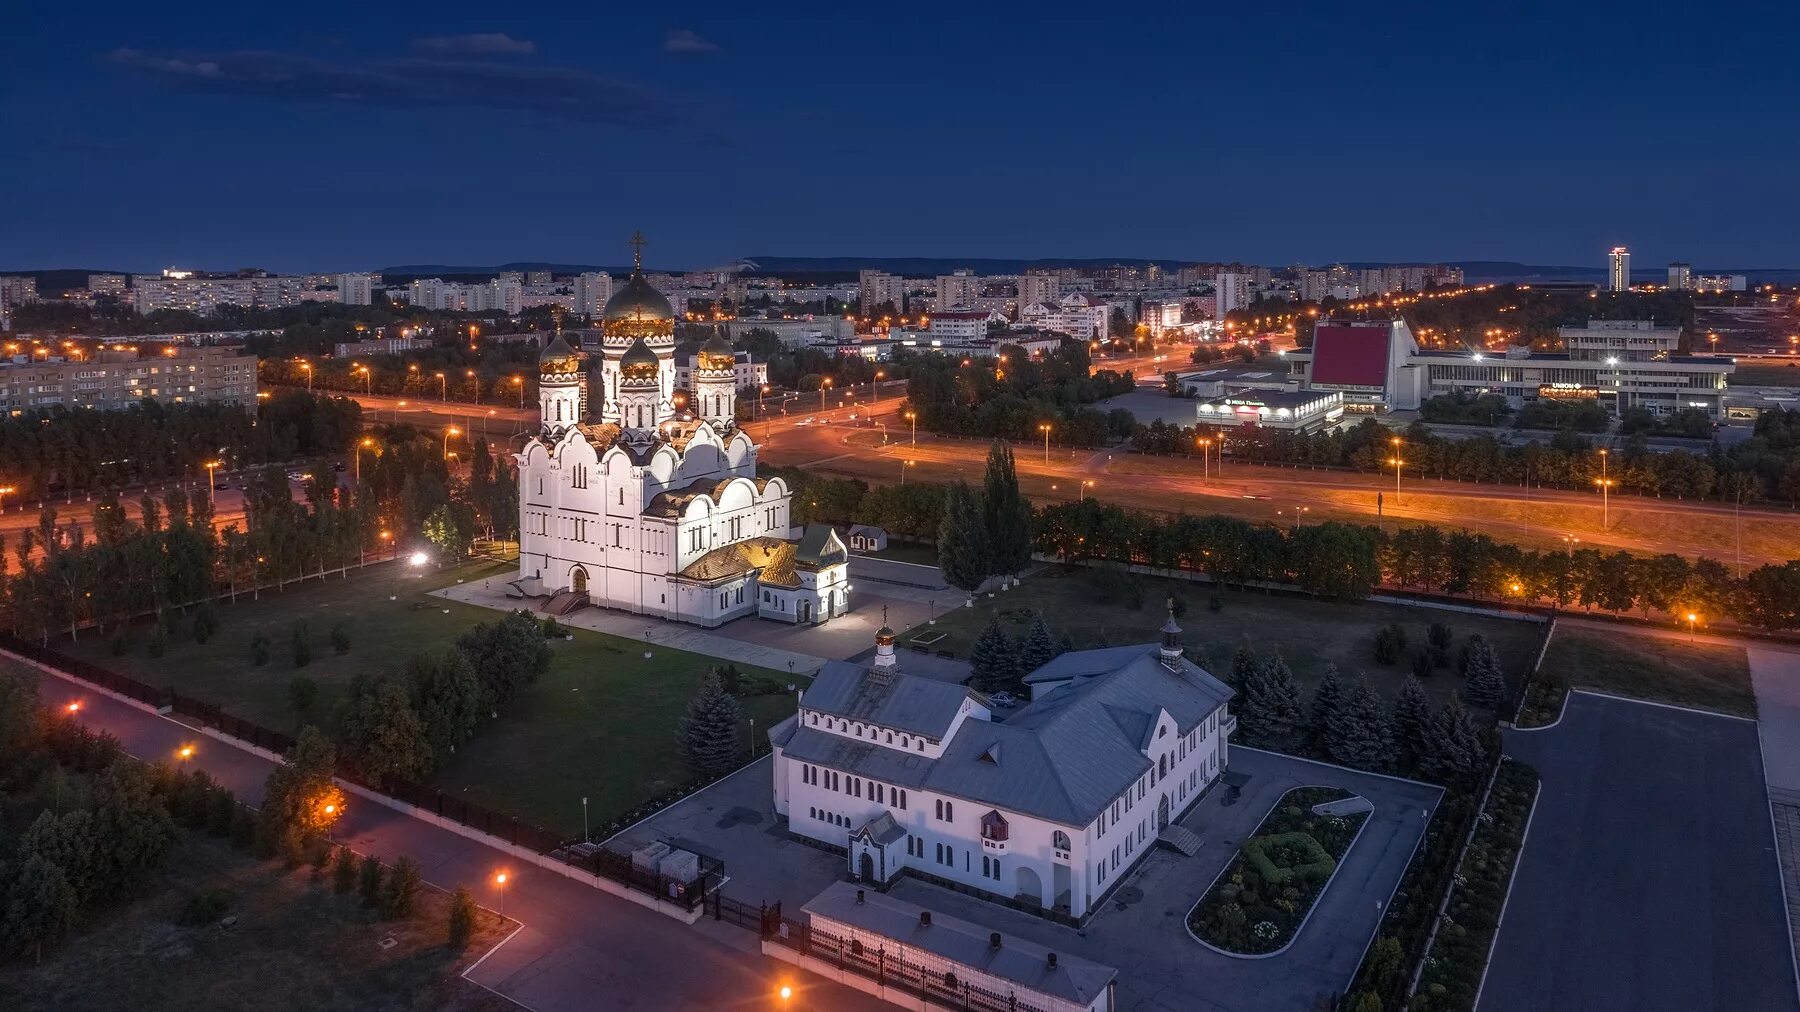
<point>1567,392</point>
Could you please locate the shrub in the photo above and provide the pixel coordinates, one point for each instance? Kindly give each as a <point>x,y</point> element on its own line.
<point>1284,857</point>
<point>221,812</point>
<point>205,908</point>
<point>369,879</point>
<point>158,642</point>
<point>259,649</point>
<point>553,630</point>
<point>462,917</point>
<point>401,891</point>
<point>303,692</point>
<point>243,828</point>
<point>343,872</point>
<point>206,622</point>
<point>300,641</point>
<point>1215,604</point>
<point>340,638</point>
<point>1423,660</point>
<point>1439,635</point>
<point>1390,644</point>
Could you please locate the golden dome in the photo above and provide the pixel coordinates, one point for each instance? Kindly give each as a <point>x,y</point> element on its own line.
<point>637,310</point>
<point>558,359</point>
<point>639,362</point>
<point>717,354</point>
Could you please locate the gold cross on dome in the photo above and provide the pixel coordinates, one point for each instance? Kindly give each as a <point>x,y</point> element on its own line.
<point>884,614</point>
<point>637,250</point>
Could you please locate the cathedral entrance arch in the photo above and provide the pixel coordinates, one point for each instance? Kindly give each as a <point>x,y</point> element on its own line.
<point>578,580</point>
<point>868,867</point>
<point>805,610</point>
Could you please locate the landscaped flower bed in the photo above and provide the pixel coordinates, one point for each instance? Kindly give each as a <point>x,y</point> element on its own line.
<point>1264,895</point>
<point>1458,956</point>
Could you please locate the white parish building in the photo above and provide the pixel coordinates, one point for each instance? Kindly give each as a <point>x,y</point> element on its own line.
<point>1051,807</point>
<point>638,497</point>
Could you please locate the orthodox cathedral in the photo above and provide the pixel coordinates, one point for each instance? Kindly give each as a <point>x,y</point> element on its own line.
<point>637,496</point>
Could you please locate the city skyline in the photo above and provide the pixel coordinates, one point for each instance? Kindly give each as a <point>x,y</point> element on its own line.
<point>350,138</point>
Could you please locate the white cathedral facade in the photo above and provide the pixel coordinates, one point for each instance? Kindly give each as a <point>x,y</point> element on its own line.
<point>639,497</point>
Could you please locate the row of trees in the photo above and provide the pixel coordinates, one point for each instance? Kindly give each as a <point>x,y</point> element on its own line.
<point>1766,466</point>
<point>1011,396</point>
<point>171,554</point>
<point>1349,561</point>
<point>406,726</point>
<point>1352,725</point>
<point>985,532</point>
<point>55,450</point>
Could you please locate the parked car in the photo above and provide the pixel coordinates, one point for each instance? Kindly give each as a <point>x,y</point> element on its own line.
<point>1003,698</point>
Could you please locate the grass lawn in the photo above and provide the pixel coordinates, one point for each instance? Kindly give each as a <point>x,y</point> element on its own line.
<point>601,723</point>
<point>1663,669</point>
<point>1308,633</point>
<point>295,945</point>
<point>906,551</point>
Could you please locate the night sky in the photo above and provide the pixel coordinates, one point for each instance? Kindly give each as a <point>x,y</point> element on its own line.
<point>326,136</point>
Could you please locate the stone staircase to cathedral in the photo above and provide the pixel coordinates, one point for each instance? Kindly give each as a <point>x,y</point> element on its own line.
<point>563,603</point>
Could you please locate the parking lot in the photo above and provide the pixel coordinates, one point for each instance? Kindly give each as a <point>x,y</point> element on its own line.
<point>1649,878</point>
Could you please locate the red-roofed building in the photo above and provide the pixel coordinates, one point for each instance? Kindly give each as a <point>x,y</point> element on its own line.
<point>1370,363</point>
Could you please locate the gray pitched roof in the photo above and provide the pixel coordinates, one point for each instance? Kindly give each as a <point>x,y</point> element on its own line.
<point>911,703</point>
<point>1063,758</point>
<point>1024,963</point>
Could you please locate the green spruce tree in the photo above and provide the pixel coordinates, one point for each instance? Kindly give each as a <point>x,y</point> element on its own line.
<point>400,892</point>
<point>708,735</point>
<point>1327,698</point>
<point>1037,648</point>
<point>1411,722</point>
<point>1485,684</point>
<point>992,659</point>
<point>1453,751</point>
<point>1271,704</point>
<point>1357,735</point>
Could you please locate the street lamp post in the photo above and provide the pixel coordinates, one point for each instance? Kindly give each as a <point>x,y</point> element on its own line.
<point>500,883</point>
<point>364,444</point>
<point>519,382</point>
<point>475,383</point>
<point>443,387</point>
<point>903,466</point>
<point>5,490</point>
<point>912,417</point>
<point>824,385</point>
<point>451,431</point>
<point>306,367</point>
<point>1205,460</point>
<point>212,493</point>
<point>1691,619</point>
<point>1044,427</point>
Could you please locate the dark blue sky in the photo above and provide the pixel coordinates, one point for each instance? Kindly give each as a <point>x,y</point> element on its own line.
<point>333,135</point>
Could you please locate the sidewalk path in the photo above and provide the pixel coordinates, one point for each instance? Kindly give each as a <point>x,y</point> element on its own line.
<point>491,593</point>
<point>1775,674</point>
<point>579,948</point>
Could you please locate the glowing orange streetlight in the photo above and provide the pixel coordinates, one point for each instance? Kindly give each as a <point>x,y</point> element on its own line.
<point>913,417</point>
<point>500,884</point>
<point>443,386</point>
<point>519,381</point>
<point>451,431</point>
<point>184,753</point>
<point>74,706</point>
<point>1691,619</point>
<point>212,488</point>
<point>1044,427</point>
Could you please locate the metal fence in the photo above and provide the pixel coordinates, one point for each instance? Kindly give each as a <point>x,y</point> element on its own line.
<point>940,988</point>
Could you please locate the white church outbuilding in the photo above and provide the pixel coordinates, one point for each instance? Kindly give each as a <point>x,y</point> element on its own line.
<point>627,502</point>
<point>1051,807</point>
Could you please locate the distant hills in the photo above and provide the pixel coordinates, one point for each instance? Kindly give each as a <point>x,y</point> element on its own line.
<point>1478,271</point>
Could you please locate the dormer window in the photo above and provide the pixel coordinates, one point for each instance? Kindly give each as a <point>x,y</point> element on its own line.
<point>994,827</point>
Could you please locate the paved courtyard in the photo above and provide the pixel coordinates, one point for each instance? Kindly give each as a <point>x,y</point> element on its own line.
<point>1141,930</point>
<point>1649,878</point>
<point>909,595</point>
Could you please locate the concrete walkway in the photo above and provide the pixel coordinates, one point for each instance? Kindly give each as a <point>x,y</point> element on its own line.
<point>577,949</point>
<point>491,593</point>
<point>1775,674</point>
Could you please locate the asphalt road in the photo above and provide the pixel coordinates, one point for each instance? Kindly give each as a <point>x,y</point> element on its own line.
<point>1649,880</point>
<point>578,948</point>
